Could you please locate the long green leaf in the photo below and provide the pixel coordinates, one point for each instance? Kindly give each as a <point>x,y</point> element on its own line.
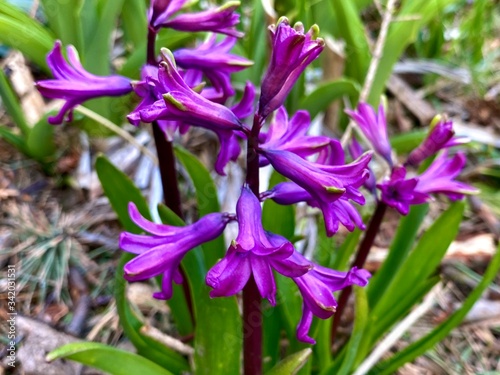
<point>64,18</point>
<point>291,364</point>
<point>134,22</point>
<point>106,358</point>
<point>400,247</point>
<point>19,31</point>
<point>350,28</point>
<point>326,93</point>
<point>218,332</point>
<point>11,103</point>
<point>14,139</point>
<point>419,266</point>
<point>356,337</point>
<point>120,190</point>
<point>206,195</point>
<point>427,342</point>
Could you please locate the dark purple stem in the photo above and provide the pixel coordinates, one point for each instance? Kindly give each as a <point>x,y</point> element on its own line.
<point>359,261</point>
<point>151,53</point>
<point>252,313</point>
<point>168,173</point>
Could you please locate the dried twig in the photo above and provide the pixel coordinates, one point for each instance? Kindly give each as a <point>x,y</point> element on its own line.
<point>168,341</point>
<point>372,69</point>
<point>117,130</point>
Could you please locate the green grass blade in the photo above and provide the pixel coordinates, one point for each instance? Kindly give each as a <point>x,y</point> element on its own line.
<point>11,103</point>
<point>206,195</point>
<point>64,18</point>
<point>19,31</point>
<point>427,342</point>
<point>418,267</point>
<point>360,323</point>
<point>400,247</point>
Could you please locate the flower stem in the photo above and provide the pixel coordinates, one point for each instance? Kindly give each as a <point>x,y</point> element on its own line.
<point>150,53</point>
<point>168,173</point>
<point>359,261</point>
<point>252,310</point>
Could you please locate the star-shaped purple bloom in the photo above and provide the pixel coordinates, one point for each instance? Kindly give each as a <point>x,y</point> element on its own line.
<point>292,52</point>
<point>162,251</point>
<point>399,192</point>
<point>252,254</point>
<point>75,85</point>
<point>439,178</point>
<point>374,127</point>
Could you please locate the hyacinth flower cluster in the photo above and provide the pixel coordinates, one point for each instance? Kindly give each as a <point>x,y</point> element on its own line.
<point>405,186</point>
<point>175,95</point>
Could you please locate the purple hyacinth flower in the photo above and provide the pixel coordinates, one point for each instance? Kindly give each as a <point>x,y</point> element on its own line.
<point>317,287</point>
<point>440,177</point>
<point>341,211</point>
<point>399,192</point>
<point>440,136</point>
<point>374,127</point>
<point>220,20</point>
<point>252,254</point>
<point>292,52</point>
<point>162,251</point>
<point>75,85</point>
<point>181,103</point>
<point>291,135</point>
<point>215,61</point>
<point>325,183</point>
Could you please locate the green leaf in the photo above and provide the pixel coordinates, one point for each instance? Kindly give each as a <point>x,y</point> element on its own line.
<point>291,364</point>
<point>206,196</point>
<point>427,342</point>
<point>11,103</point>
<point>40,141</point>
<point>14,139</point>
<point>277,218</point>
<point>400,247</point>
<point>134,22</point>
<point>64,18</point>
<point>326,93</point>
<point>97,48</point>
<point>107,358</point>
<point>120,190</point>
<point>404,143</point>
<point>350,28</point>
<point>218,332</point>
<point>360,323</point>
<point>417,268</point>
<point>21,32</point>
